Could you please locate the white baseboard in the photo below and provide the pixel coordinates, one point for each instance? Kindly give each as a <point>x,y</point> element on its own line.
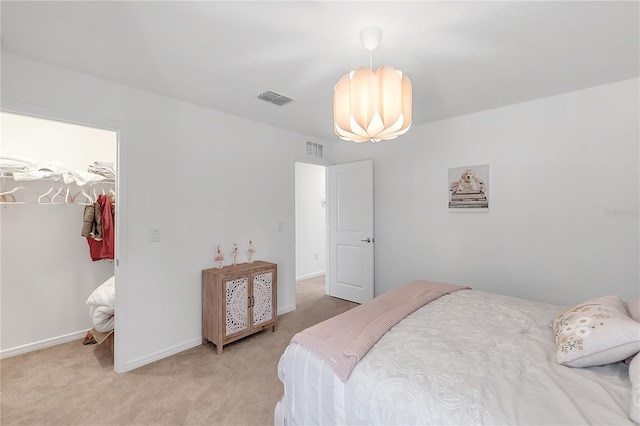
<point>313,275</point>
<point>18,350</point>
<point>136,363</point>
<point>285,310</point>
<point>129,365</point>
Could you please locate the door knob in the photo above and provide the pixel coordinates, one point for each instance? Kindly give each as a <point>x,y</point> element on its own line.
<point>368,240</point>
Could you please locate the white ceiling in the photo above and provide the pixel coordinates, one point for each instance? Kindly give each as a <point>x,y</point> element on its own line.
<point>461,57</point>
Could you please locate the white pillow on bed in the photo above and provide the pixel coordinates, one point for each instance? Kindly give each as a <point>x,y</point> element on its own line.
<point>596,332</point>
<point>634,375</point>
<point>105,295</point>
<point>633,309</point>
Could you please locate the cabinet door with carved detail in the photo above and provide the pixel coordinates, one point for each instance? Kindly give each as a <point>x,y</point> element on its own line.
<point>237,306</point>
<point>262,297</point>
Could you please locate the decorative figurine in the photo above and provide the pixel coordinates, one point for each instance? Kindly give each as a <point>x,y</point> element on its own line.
<point>251,251</point>
<point>234,253</point>
<point>219,258</point>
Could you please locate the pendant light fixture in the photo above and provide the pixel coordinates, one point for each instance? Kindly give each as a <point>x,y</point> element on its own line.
<point>370,105</point>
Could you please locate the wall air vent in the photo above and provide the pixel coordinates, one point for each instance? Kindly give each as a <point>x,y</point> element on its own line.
<point>315,149</point>
<point>274,98</point>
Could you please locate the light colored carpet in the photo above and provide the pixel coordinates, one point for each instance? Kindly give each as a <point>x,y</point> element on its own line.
<point>309,290</point>
<point>72,384</point>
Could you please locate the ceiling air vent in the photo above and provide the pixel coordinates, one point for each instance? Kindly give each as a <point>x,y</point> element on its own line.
<point>274,98</point>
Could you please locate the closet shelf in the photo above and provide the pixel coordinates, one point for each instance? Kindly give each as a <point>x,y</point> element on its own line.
<point>9,175</point>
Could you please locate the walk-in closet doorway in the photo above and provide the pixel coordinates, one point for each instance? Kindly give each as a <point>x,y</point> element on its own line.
<point>47,271</point>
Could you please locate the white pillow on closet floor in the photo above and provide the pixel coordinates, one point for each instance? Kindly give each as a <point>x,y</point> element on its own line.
<point>105,295</point>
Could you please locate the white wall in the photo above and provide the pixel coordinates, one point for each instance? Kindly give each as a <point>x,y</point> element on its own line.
<point>47,273</point>
<point>205,178</point>
<point>44,141</point>
<point>559,167</point>
<point>310,220</point>
<point>200,176</point>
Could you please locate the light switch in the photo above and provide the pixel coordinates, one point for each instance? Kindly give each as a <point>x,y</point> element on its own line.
<point>155,235</point>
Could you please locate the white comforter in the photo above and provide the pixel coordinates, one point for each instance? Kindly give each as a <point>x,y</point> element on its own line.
<point>467,358</point>
<point>102,317</point>
<point>102,306</point>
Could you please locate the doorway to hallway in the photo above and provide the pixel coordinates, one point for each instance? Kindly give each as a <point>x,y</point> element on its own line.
<point>309,290</point>
<point>310,239</point>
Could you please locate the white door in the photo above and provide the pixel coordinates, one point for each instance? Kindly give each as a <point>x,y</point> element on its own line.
<point>351,242</point>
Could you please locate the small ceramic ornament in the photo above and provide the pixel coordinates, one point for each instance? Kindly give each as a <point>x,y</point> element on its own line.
<point>251,250</point>
<point>219,258</point>
<point>234,253</point>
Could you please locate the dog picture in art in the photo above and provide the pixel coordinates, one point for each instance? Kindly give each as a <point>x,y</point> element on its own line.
<point>469,182</point>
<point>469,188</point>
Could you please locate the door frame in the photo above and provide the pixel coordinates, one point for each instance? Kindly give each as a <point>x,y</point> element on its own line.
<point>326,165</point>
<point>316,162</point>
<point>120,263</point>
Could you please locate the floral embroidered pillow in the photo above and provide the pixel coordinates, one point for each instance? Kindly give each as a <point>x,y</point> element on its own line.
<point>596,332</point>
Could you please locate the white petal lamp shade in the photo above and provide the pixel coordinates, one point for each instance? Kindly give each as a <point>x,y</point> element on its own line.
<point>371,105</point>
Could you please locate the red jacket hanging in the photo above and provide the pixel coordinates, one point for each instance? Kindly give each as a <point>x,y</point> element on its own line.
<point>105,248</point>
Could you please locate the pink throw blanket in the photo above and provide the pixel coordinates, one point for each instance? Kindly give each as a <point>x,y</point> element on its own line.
<point>344,339</point>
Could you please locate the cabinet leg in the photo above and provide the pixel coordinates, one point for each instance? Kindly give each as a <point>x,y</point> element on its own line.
<point>219,349</point>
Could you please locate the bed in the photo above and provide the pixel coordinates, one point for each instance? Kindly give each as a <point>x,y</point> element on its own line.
<point>102,306</point>
<point>467,357</point>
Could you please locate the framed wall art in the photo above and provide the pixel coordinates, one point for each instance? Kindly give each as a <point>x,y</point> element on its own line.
<point>469,188</point>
